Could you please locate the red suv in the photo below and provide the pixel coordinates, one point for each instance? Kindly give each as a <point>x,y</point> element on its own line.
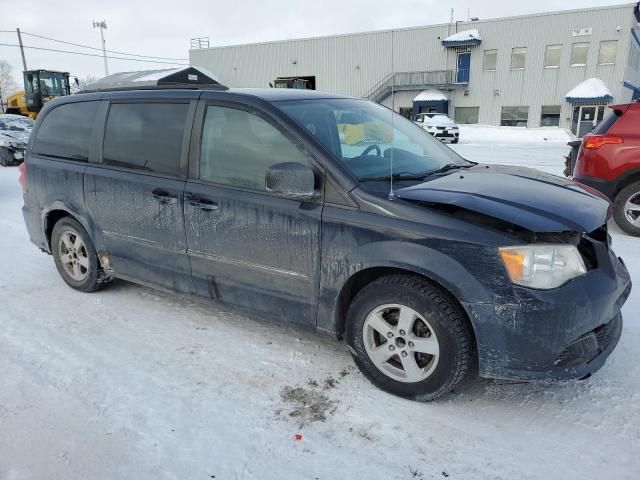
<point>609,161</point>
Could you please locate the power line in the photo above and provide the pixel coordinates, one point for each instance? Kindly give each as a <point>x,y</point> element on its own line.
<point>110,51</point>
<point>90,54</point>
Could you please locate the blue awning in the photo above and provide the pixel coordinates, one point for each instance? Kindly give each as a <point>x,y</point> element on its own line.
<point>592,90</point>
<point>466,37</point>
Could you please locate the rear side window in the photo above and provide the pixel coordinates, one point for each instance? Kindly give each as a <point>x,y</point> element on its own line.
<point>66,131</point>
<point>607,122</point>
<point>146,136</point>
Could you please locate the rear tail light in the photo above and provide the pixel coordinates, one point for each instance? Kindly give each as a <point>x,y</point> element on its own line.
<point>23,178</point>
<point>594,142</point>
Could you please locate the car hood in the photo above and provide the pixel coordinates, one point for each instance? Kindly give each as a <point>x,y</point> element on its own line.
<point>525,197</point>
<point>14,137</point>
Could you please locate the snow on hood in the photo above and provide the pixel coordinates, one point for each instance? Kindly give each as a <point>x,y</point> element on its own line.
<point>430,95</point>
<point>590,89</point>
<point>463,36</point>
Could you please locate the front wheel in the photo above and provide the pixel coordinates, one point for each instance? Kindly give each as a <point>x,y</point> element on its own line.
<point>627,209</point>
<point>409,337</point>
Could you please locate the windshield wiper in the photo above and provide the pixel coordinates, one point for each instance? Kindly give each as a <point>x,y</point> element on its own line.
<point>446,168</point>
<point>395,176</point>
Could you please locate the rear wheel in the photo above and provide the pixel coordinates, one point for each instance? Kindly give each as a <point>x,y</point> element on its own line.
<point>75,257</point>
<point>627,209</point>
<point>409,337</point>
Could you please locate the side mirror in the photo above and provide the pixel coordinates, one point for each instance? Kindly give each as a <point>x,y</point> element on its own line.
<point>291,179</point>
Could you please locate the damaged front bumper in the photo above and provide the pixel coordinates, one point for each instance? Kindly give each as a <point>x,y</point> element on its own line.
<point>564,333</point>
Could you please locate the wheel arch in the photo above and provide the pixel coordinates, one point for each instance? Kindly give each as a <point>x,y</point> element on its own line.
<point>56,212</point>
<point>441,270</point>
<point>626,179</point>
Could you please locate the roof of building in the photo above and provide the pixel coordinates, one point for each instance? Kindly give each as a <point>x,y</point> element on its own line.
<point>466,37</point>
<point>473,23</point>
<point>592,89</point>
<point>430,95</point>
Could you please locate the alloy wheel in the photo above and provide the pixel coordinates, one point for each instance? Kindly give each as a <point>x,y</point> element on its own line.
<point>73,255</point>
<point>401,343</point>
<point>632,209</point>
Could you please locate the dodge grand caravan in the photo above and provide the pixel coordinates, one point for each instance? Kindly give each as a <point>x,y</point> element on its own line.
<point>432,268</point>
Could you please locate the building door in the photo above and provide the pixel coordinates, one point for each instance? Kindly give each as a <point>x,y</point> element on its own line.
<point>585,118</point>
<point>464,64</point>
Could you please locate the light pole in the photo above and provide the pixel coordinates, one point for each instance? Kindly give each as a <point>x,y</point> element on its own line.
<point>102,25</point>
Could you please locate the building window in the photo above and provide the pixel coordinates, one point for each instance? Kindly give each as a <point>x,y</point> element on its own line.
<point>579,53</point>
<point>552,56</point>
<point>518,58</point>
<point>514,116</point>
<point>550,116</point>
<point>466,114</point>
<point>607,52</point>
<point>490,60</point>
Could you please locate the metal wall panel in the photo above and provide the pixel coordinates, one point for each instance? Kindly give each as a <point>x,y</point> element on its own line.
<point>353,64</point>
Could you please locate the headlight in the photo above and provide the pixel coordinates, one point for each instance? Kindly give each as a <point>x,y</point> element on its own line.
<point>542,266</point>
<point>4,143</point>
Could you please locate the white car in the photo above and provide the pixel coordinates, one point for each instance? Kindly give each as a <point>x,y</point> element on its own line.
<point>440,126</point>
<point>14,135</point>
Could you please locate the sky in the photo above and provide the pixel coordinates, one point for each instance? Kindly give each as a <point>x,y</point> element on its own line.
<point>163,28</point>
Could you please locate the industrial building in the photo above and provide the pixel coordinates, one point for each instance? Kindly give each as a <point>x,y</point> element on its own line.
<point>556,68</point>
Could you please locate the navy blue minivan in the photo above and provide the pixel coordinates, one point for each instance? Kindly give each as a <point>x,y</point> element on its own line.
<point>333,213</point>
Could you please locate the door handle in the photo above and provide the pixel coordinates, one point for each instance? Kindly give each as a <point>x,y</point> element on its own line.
<point>202,203</point>
<point>163,197</point>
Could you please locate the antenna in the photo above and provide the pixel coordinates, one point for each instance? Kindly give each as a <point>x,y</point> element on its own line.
<point>393,110</point>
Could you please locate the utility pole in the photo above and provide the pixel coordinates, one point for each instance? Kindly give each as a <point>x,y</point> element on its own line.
<point>24,61</point>
<point>102,25</point>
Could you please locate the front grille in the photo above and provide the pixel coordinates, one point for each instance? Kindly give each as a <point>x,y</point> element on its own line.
<point>603,334</point>
<point>588,346</point>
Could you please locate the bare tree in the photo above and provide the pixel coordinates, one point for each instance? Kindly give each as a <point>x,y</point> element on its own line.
<point>7,82</point>
<point>79,84</point>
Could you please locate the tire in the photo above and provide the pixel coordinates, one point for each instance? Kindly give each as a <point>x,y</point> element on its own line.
<point>75,257</point>
<point>439,318</point>
<point>624,216</point>
<point>6,157</point>
<point>455,140</point>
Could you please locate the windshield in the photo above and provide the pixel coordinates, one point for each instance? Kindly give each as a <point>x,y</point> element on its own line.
<point>14,124</point>
<point>360,134</point>
<point>49,84</point>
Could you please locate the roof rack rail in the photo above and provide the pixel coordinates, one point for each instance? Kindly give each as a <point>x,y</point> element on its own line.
<point>170,78</point>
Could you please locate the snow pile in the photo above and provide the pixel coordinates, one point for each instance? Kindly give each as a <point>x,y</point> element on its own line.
<point>592,88</point>
<point>501,135</point>
<point>430,95</point>
<point>463,36</point>
<point>155,75</point>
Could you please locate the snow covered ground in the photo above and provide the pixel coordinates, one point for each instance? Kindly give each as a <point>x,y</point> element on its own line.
<point>129,383</point>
